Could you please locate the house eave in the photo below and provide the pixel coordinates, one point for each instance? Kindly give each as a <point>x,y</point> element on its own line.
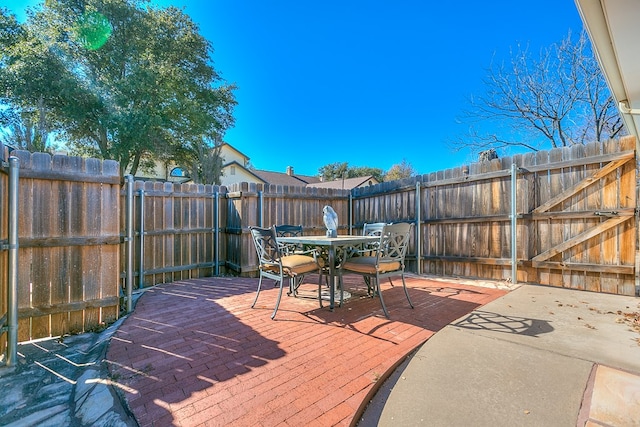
<point>613,27</point>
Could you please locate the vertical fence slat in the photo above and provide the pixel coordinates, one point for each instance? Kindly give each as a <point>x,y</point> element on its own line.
<point>92,255</point>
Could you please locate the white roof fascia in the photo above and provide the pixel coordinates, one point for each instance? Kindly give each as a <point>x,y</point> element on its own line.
<point>593,15</point>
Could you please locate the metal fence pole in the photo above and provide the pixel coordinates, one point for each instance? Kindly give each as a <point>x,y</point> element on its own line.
<point>260,208</point>
<point>350,212</point>
<point>141,241</point>
<point>12,309</point>
<point>514,223</point>
<point>418,231</point>
<point>129,240</point>
<point>216,232</point>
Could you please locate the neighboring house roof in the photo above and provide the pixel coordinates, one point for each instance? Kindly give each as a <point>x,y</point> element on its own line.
<point>234,172</point>
<point>279,178</point>
<point>347,183</point>
<point>225,146</point>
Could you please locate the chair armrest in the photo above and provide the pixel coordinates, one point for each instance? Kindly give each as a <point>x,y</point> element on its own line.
<point>360,252</point>
<point>294,249</point>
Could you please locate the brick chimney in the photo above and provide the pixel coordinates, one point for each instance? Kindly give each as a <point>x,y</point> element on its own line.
<point>290,170</point>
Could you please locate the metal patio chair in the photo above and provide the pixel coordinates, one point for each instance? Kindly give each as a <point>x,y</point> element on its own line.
<point>368,249</point>
<point>277,266</point>
<point>288,230</point>
<point>387,260</point>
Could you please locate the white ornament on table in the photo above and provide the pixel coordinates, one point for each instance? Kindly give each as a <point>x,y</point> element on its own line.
<point>330,218</point>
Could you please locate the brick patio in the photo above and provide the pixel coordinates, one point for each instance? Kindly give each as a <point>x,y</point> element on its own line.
<point>194,352</point>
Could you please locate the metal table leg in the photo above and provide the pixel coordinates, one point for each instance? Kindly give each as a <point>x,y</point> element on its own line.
<point>332,275</point>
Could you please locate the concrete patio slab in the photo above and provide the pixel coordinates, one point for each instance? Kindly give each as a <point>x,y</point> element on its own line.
<point>536,356</point>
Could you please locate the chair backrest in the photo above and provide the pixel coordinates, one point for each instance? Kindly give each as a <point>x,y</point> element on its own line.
<point>394,242</point>
<point>373,229</point>
<point>286,230</point>
<point>266,245</point>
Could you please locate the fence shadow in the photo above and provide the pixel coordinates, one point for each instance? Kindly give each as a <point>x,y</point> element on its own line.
<point>180,341</point>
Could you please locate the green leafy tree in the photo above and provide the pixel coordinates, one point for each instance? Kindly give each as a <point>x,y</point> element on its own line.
<point>400,171</point>
<point>335,171</point>
<point>206,163</point>
<point>10,33</point>
<point>377,173</point>
<point>25,134</point>
<point>118,79</point>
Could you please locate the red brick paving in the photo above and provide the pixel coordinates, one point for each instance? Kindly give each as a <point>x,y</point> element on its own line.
<point>193,353</point>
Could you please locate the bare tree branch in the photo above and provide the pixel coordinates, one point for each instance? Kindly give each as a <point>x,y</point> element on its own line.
<point>558,99</point>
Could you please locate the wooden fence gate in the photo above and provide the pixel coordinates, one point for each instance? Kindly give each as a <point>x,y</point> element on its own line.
<point>586,230</point>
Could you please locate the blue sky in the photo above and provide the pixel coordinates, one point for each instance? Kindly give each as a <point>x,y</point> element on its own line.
<point>367,82</point>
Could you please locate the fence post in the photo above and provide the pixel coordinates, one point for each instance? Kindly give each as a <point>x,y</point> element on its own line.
<point>418,230</point>
<point>12,308</point>
<point>141,240</point>
<point>350,213</point>
<point>216,233</point>
<point>514,223</point>
<point>260,209</point>
<point>129,240</point>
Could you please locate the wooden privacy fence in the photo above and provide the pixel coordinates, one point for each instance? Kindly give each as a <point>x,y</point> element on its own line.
<point>68,237</point>
<point>177,232</point>
<point>576,227</point>
<point>573,225</point>
<point>576,217</point>
<point>73,241</point>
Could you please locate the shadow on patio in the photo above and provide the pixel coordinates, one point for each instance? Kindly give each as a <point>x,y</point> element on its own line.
<point>194,352</point>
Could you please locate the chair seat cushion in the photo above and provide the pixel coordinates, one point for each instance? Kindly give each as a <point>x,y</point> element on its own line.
<point>298,264</point>
<point>367,265</point>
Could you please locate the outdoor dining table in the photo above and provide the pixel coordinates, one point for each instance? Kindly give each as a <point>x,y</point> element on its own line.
<point>332,244</point>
